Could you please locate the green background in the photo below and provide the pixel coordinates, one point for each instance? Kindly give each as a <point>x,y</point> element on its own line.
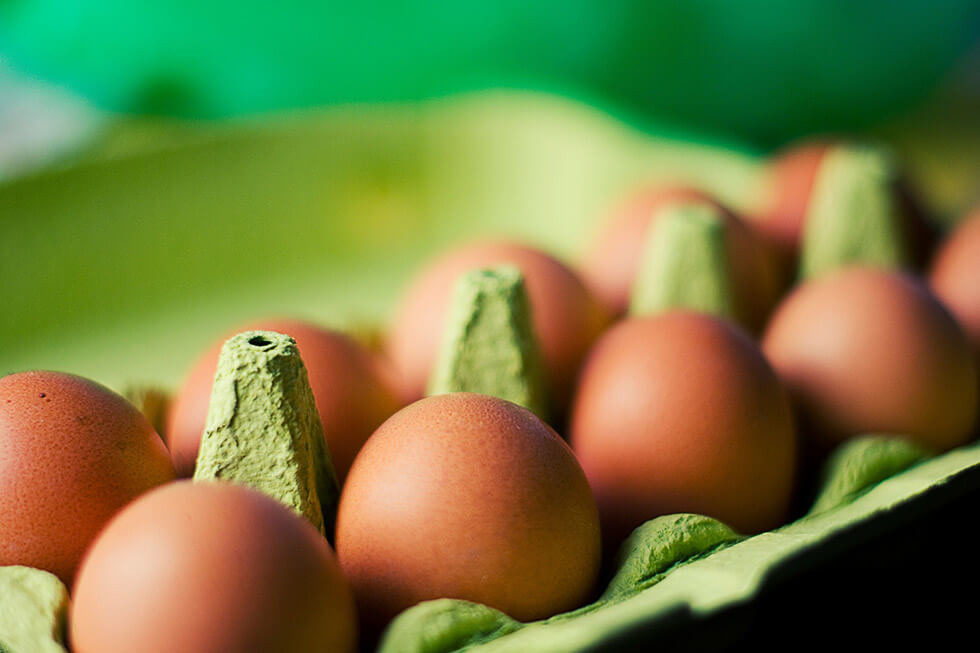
<point>125,262</point>
<point>759,70</point>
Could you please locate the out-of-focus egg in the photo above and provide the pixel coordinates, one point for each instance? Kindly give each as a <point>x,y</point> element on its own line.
<point>955,277</point>
<point>471,497</point>
<point>612,262</point>
<point>681,413</point>
<point>72,453</point>
<point>353,394</point>
<point>864,350</point>
<point>210,568</point>
<point>567,318</point>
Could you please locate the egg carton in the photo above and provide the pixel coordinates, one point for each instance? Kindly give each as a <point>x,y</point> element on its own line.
<point>888,534</point>
<point>871,552</point>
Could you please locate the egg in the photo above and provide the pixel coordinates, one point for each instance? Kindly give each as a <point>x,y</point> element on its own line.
<point>612,261</point>
<point>567,318</point>
<point>864,350</point>
<point>681,413</point>
<point>471,497</point>
<point>210,568</point>
<point>955,277</point>
<point>353,393</point>
<point>72,453</point>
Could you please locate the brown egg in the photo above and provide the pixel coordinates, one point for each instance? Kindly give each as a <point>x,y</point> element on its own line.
<point>566,317</point>
<point>353,395</point>
<point>611,264</point>
<point>72,453</point>
<point>681,413</point>
<point>863,350</point>
<point>210,568</point>
<point>471,497</point>
<point>955,277</point>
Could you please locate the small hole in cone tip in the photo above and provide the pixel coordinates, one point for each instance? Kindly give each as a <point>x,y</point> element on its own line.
<point>259,341</point>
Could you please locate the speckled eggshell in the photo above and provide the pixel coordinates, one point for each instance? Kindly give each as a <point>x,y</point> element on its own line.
<point>613,260</point>
<point>567,318</point>
<point>353,394</point>
<point>865,350</point>
<point>211,568</point>
<point>681,413</point>
<point>955,277</point>
<point>72,453</point>
<point>471,497</point>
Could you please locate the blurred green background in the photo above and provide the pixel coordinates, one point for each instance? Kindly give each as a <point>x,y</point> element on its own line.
<point>761,70</point>
<point>173,168</point>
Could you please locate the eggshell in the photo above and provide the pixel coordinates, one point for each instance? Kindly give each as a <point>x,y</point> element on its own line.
<point>353,395</point>
<point>613,260</point>
<point>471,497</point>
<point>72,453</point>
<point>567,318</point>
<point>682,413</point>
<point>955,277</point>
<point>864,350</point>
<point>210,568</point>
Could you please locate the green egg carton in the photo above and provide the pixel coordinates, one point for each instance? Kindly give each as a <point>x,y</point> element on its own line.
<point>690,579</point>
<point>125,263</point>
